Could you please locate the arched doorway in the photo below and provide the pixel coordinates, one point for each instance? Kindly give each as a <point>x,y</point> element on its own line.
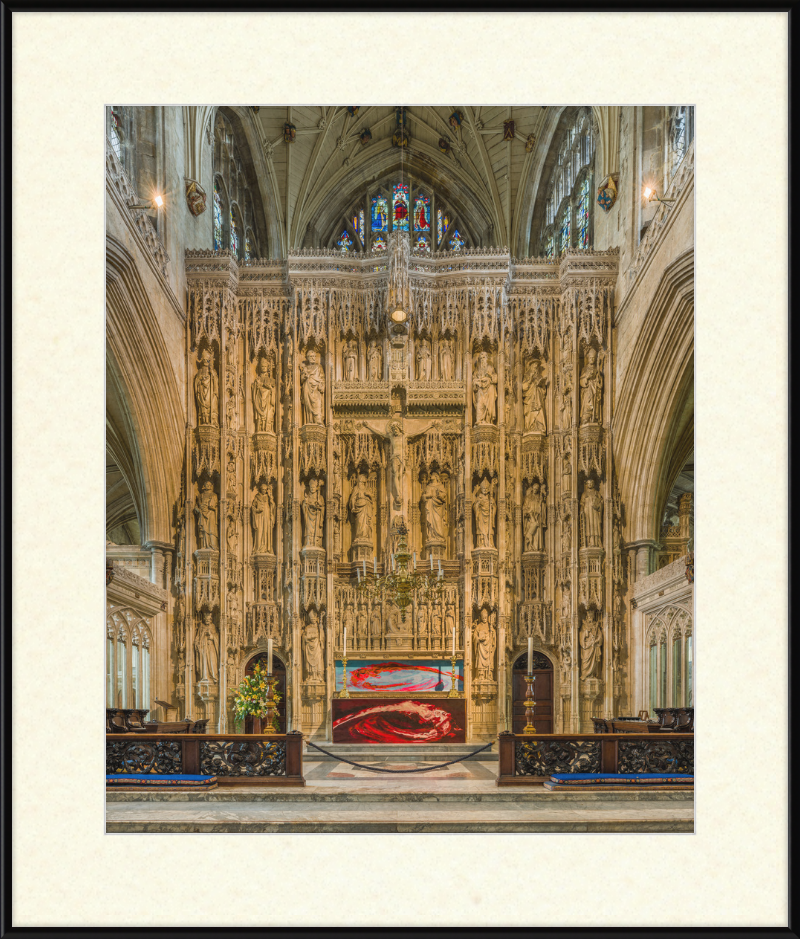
<point>252,725</point>
<point>542,693</point>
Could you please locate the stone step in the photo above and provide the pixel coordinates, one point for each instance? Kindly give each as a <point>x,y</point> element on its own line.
<point>393,792</point>
<point>583,815</point>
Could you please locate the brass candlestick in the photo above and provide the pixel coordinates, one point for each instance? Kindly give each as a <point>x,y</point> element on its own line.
<point>344,693</point>
<point>530,704</point>
<point>453,693</point>
<point>270,705</point>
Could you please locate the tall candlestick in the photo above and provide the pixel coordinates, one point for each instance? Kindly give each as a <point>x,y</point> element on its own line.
<point>454,642</point>
<point>530,655</point>
<point>431,557</point>
<point>375,564</point>
<point>269,657</point>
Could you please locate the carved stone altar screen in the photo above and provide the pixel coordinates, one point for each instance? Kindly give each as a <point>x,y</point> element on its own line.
<point>317,422</point>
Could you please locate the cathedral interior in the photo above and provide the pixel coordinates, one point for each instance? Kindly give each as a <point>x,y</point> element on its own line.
<point>346,341</point>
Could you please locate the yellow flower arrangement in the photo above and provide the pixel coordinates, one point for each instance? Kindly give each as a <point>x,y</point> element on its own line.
<point>251,697</point>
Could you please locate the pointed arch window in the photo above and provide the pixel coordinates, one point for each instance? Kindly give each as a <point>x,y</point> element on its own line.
<point>115,132</point>
<point>380,214</point>
<point>234,234</point>
<point>680,133</point>
<point>217,217</point>
<point>568,212</point>
<point>422,213</point>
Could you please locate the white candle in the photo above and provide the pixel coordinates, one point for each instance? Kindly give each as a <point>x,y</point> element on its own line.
<point>415,560</point>
<point>375,564</point>
<point>454,642</point>
<point>344,654</point>
<point>530,655</point>
<point>269,657</point>
<point>358,574</point>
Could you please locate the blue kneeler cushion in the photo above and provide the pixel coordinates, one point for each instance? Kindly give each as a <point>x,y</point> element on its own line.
<point>603,782</point>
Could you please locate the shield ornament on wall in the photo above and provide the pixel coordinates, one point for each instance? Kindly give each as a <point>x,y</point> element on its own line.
<point>607,193</point>
<point>195,197</point>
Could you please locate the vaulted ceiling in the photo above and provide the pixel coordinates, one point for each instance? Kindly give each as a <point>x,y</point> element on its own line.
<point>312,182</point>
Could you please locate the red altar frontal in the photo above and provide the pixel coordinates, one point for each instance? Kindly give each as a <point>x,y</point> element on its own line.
<point>399,720</point>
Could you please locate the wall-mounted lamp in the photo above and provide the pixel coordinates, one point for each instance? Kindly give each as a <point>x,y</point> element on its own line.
<point>652,196</point>
<point>155,203</point>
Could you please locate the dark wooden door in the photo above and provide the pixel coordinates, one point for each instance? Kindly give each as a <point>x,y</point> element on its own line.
<point>252,724</point>
<point>542,696</point>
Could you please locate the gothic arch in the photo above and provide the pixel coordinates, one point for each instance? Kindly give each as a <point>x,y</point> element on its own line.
<point>148,447</point>
<point>653,423</point>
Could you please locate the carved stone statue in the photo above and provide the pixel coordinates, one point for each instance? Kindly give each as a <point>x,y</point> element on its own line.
<point>262,517</point>
<point>592,513</point>
<point>566,410</point>
<point>533,519</point>
<point>312,648</point>
<point>566,607</point>
<point>232,536</point>
<point>312,380</point>
<point>312,508</point>
<point>591,382</point>
<point>361,627</point>
<point>423,360</point>
<point>374,361</point>
<point>566,472</point>
<point>349,622</point>
<point>484,508</point>
<point>397,465</point>
<point>206,391</point>
<point>436,626</point>
<point>207,650</point>
<point>534,396</point>
<point>484,638</point>
<point>484,391</point>
<point>207,512</point>
<point>508,405</point>
<point>446,360</point>
<point>350,358</point>
<point>263,399</point>
<point>449,622</point>
<point>434,507</point>
<point>361,508</point>
<point>375,627</point>
<point>591,640</point>
<point>422,621</point>
<point>566,536</point>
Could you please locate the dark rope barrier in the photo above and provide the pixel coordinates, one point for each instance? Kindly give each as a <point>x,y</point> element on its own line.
<point>378,769</point>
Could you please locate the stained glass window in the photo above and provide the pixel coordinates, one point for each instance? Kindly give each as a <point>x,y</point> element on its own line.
<point>380,214</point>
<point>549,248</point>
<point>582,215</point>
<point>422,243</point>
<point>456,242</point>
<point>400,207</point>
<point>115,132</point>
<point>564,233</point>
<point>442,224</point>
<point>248,245</point>
<point>422,213</point>
<point>358,224</point>
<point>345,242</point>
<point>234,235</point>
<point>379,243</point>
<point>217,217</point>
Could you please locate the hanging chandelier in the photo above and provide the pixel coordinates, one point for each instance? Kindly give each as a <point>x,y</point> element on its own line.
<point>402,582</point>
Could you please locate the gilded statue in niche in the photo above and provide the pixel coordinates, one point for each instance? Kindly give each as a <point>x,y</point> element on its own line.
<point>313,648</point>
<point>534,396</point>
<point>263,398</point>
<point>423,360</point>
<point>312,380</point>
<point>484,390</point>
<point>350,360</point>
<point>446,358</point>
<point>312,508</point>
<point>591,382</point>
<point>207,650</point>
<point>361,508</point>
<point>374,361</point>
<point>534,518</point>
<point>262,518</point>
<point>484,638</point>
<point>434,508</point>
<point>592,514</point>
<point>206,391</point>
<point>484,508</point>
<point>591,641</point>
<point>207,512</point>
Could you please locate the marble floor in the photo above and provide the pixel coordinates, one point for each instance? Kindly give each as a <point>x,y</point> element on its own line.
<point>341,798</point>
